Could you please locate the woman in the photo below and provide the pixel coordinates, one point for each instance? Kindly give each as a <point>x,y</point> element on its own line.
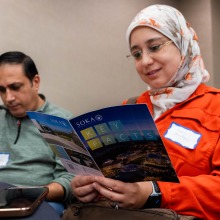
<point>186,111</point>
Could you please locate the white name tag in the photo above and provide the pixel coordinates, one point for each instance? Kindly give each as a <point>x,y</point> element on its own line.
<point>183,136</point>
<point>4,157</point>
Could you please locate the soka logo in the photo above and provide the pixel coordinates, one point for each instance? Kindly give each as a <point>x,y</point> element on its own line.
<point>89,121</point>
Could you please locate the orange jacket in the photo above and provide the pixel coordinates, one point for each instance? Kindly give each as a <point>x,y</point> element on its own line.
<point>198,193</point>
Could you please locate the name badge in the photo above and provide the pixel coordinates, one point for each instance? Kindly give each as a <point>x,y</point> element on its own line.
<point>4,157</point>
<point>183,136</point>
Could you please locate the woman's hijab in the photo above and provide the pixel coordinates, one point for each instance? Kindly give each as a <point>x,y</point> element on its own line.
<point>191,72</point>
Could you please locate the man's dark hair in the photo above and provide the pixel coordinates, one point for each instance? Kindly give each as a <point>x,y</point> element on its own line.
<point>16,57</point>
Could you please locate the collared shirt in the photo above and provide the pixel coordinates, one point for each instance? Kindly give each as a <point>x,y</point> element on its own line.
<point>30,161</point>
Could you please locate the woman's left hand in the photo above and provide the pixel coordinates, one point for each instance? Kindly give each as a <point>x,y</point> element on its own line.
<point>125,195</point>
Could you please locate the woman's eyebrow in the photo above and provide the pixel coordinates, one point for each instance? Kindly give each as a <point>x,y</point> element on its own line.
<point>147,42</point>
<point>134,47</point>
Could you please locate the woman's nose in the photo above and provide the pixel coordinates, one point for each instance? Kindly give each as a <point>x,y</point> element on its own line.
<point>146,59</point>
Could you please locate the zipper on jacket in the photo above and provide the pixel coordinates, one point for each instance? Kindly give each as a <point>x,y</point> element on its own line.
<point>19,130</point>
<point>76,209</point>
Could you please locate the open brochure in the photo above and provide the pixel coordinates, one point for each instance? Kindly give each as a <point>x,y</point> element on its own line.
<point>119,142</point>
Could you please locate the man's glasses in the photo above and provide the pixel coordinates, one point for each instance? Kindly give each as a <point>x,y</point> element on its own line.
<point>151,51</point>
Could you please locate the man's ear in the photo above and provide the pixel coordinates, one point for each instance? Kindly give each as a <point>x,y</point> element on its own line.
<point>36,82</point>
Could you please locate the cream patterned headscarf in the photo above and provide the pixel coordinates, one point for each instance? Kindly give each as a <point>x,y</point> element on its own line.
<point>171,23</point>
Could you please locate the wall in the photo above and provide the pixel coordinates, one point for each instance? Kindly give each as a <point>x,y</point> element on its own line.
<point>215,41</point>
<point>80,48</point>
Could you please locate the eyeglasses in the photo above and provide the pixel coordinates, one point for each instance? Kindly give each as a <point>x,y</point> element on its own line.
<point>151,51</point>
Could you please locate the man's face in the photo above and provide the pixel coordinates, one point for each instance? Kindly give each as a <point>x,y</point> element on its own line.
<point>18,93</point>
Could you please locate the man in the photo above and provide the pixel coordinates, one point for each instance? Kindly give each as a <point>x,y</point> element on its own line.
<point>25,157</point>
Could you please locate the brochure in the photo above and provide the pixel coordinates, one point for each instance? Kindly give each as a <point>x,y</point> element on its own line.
<point>119,142</point>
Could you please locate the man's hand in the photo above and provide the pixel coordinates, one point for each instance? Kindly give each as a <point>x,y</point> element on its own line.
<point>56,192</point>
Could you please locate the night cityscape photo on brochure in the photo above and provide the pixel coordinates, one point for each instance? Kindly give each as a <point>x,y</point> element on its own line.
<point>119,142</point>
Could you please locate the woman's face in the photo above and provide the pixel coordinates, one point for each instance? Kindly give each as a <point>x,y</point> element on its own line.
<point>156,58</point>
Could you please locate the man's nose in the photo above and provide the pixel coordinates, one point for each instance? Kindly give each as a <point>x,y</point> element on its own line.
<point>9,95</point>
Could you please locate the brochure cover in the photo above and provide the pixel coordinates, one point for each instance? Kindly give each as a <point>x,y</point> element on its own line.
<point>119,142</point>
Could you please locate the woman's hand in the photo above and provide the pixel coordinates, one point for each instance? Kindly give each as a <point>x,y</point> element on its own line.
<point>83,189</point>
<point>126,195</point>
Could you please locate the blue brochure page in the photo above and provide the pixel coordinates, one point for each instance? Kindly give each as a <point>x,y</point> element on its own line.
<point>125,144</point>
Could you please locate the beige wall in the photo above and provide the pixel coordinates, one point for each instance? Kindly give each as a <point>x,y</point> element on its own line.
<point>80,48</point>
<point>215,41</point>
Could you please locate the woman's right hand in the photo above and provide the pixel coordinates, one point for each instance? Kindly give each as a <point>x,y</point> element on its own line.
<point>83,189</point>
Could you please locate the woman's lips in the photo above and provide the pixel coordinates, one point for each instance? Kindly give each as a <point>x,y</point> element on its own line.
<point>152,72</point>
